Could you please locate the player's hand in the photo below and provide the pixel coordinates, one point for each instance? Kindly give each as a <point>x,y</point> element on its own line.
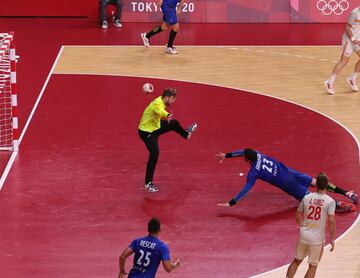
<point>225,205</point>
<point>220,157</point>
<point>170,116</point>
<point>332,242</point>
<point>122,274</point>
<point>176,263</point>
<point>160,3</point>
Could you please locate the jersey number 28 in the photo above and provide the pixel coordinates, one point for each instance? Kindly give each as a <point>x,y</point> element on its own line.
<point>315,213</point>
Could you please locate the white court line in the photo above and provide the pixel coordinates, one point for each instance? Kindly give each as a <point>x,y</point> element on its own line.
<point>231,47</point>
<point>219,46</point>
<point>14,154</point>
<point>357,220</point>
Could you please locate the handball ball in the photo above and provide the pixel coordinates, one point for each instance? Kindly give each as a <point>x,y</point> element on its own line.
<point>148,88</point>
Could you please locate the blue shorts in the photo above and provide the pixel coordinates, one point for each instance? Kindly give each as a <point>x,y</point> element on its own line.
<point>169,14</point>
<point>298,184</point>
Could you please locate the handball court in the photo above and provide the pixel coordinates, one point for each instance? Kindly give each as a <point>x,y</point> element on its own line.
<point>74,199</point>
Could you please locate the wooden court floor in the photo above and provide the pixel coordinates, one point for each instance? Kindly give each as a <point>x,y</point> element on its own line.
<point>292,73</point>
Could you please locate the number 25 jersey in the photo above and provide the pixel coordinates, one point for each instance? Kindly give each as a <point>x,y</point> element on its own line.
<point>149,252</point>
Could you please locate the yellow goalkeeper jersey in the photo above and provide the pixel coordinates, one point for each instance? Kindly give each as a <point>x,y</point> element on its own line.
<point>150,120</point>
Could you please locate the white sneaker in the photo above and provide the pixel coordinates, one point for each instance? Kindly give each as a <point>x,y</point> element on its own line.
<point>145,40</point>
<point>329,87</point>
<point>104,25</point>
<point>117,23</point>
<point>171,50</point>
<point>191,130</point>
<point>150,187</point>
<point>352,84</point>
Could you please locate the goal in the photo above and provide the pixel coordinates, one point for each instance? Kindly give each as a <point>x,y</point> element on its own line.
<point>9,133</point>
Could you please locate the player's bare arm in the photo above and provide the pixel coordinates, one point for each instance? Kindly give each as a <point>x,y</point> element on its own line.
<point>171,265</point>
<point>350,34</point>
<point>299,218</point>
<point>332,224</point>
<point>126,253</point>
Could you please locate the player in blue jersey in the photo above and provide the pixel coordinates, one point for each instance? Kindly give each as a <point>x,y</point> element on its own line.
<point>149,252</point>
<point>278,174</point>
<point>169,10</point>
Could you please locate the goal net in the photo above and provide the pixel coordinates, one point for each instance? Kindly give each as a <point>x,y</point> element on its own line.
<point>8,101</point>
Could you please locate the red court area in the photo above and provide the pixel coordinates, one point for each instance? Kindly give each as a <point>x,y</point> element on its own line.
<point>74,198</point>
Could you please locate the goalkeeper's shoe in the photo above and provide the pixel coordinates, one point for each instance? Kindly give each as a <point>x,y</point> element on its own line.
<point>344,206</point>
<point>191,129</point>
<point>150,187</point>
<point>353,196</point>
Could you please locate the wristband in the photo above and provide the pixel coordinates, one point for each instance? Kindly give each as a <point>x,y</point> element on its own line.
<point>232,202</point>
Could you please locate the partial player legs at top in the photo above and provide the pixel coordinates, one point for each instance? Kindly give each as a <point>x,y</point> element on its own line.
<point>169,11</point>
<point>103,6</point>
<point>350,44</point>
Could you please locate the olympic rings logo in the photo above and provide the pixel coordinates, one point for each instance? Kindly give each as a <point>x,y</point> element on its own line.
<point>332,6</point>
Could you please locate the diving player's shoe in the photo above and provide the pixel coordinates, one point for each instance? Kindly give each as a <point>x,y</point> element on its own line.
<point>344,206</point>
<point>353,196</point>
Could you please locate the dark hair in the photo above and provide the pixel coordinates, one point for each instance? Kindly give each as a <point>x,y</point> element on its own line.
<point>250,154</point>
<point>169,92</point>
<point>322,181</point>
<point>154,226</point>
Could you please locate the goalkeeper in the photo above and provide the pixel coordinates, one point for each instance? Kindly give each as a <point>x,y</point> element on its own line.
<point>154,122</point>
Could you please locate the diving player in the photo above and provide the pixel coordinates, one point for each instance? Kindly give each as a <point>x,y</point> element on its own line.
<point>278,174</point>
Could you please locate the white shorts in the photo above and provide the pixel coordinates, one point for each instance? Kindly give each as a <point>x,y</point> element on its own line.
<point>348,47</point>
<point>314,252</point>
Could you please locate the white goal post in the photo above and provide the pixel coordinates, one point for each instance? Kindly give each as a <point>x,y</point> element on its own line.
<point>9,133</point>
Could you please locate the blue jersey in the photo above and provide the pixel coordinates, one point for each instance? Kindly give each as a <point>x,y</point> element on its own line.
<point>276,173</point>
<point>149,252</point>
